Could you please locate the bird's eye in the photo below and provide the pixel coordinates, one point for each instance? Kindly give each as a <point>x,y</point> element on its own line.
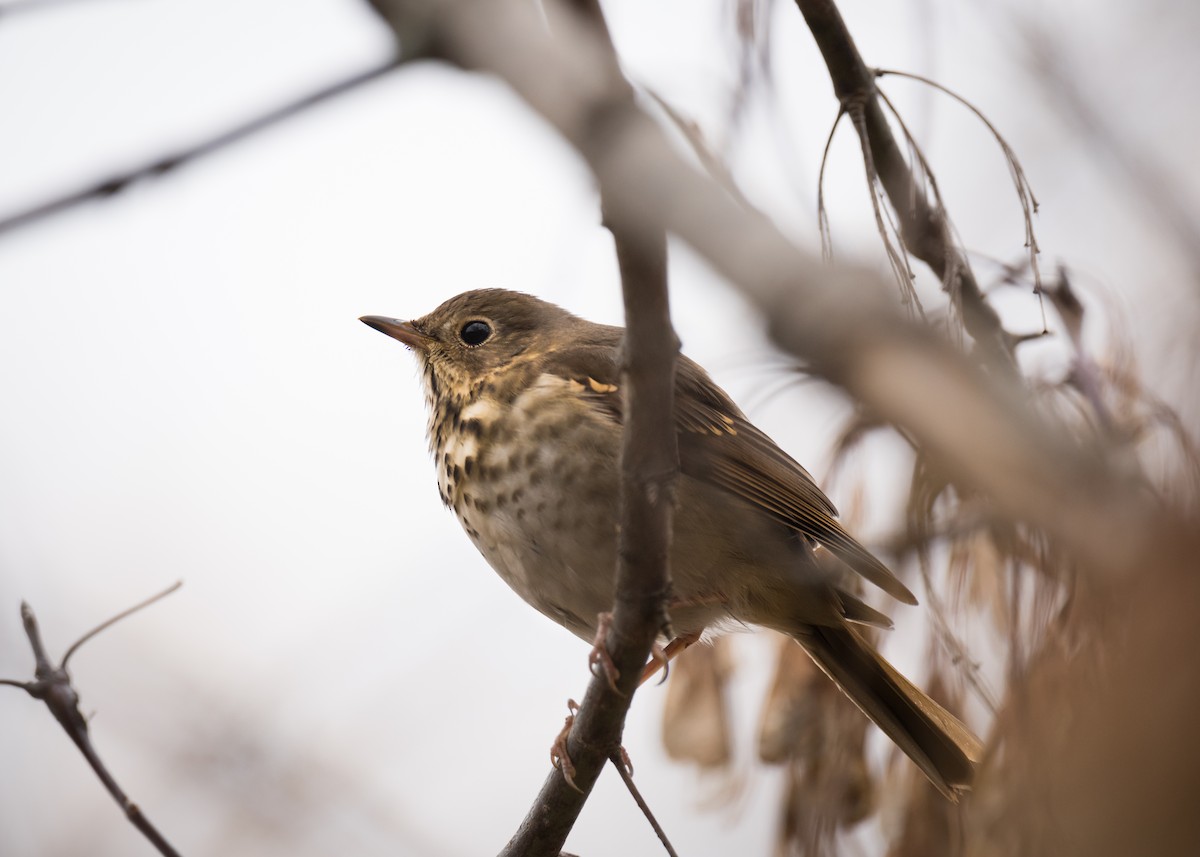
<point>475,332</point>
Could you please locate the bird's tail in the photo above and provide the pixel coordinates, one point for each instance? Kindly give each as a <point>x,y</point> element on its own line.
<point>931,736</point>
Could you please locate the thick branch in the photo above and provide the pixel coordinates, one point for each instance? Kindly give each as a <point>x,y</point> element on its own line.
<point>649,468</point>
<point>923,226</point>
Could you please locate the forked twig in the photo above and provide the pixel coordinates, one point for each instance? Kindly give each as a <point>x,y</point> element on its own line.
<point>52,685</point>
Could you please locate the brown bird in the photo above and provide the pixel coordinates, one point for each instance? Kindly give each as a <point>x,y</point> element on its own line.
<point>525,411</point>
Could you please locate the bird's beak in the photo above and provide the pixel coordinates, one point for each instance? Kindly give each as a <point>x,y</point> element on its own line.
<point>397,329</point>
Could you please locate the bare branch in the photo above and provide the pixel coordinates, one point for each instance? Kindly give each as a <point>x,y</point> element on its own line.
<point>649,469</point>
<point>924,227</point>
<point>168,163</point>
<point>52,685</point>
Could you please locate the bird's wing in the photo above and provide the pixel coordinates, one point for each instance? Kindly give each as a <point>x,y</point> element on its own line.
<point>753,468</point>
<point>759,472</point>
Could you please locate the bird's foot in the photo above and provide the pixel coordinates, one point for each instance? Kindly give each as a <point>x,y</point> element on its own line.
<point>599,657</point>
<point>559,757</point>
<point>660,658</point>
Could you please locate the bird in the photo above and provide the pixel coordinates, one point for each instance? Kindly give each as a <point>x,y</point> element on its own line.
<point>525,407</point>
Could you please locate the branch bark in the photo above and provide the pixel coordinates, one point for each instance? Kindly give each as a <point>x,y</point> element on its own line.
<point>649,470</point>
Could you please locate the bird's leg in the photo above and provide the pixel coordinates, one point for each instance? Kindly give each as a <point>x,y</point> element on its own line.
<point>660,658</point>
<point>558,750</point>
<point>600,657</point>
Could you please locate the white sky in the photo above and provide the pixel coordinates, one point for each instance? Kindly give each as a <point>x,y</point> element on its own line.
<point>185,393</point>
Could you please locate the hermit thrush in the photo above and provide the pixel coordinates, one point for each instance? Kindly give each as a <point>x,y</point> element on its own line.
<point>525,410</point>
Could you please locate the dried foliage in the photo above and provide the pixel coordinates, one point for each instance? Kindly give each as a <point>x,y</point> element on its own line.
<point>696,713</point>
<point>813,729</point>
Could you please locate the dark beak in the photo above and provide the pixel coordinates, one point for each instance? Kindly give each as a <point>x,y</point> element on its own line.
<point>397,329</point>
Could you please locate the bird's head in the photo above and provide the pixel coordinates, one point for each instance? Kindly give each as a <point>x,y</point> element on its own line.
<point>474,337</point>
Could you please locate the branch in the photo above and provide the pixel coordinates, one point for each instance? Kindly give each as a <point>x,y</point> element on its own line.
<point>649,468</point>
<point>52,685</point>
<point>621,763</point>
<point>160,166</point>
<point>924,227</point>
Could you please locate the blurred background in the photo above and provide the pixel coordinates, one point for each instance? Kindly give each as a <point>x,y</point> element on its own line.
<point>185,391</point>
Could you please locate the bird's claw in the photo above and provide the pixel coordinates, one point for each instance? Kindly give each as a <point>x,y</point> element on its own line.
<point>559,757</point>
<point>600,658</point>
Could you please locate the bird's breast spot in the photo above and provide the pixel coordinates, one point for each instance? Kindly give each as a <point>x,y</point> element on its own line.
<point>486,410</point>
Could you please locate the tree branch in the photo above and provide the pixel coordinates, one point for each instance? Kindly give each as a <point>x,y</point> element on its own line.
<point>162,165</point>
<point>649,468</point>
<point>52,685</point>
<point>923,226</point>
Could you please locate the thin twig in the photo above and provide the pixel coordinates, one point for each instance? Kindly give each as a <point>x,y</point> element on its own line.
<point>822,211</point>
<point>627,777</point>
<point>1029,203</point>
<point>897,258</point>
<point>950,276</point>
<point>52,685</point>
<point>168,163</point>
<point>115,619</point>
